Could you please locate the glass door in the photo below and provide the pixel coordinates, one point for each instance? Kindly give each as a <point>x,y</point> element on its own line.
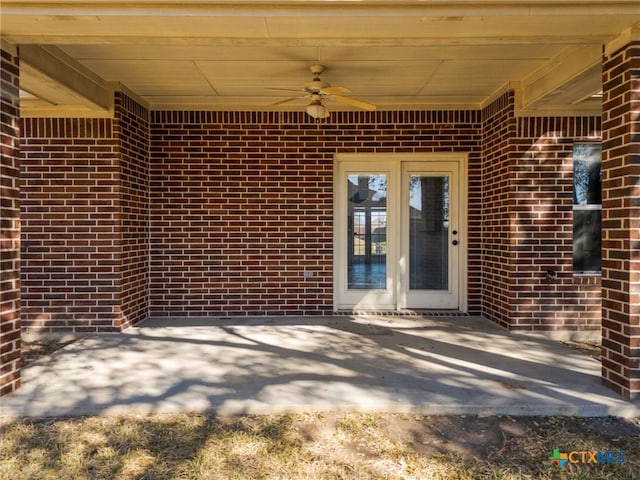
<point>367,231</point>
<point>430,236</point>
<point>396,235</point>
<point>366,276</point>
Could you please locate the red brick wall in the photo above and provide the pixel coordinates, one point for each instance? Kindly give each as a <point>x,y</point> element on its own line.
<point>499,129</point>
<point>85,185</point>
<point>621,221</point>
<point>131,128</point>
<point>242,203</point>
<point>70,225</point>
<point>542,228</point>
<point>9,224</point>
<point>528,222</point>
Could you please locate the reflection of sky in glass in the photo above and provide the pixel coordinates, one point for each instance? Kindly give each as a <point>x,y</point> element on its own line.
<point>376,183</point>
<point>587,174</point>
<point>415,192</point>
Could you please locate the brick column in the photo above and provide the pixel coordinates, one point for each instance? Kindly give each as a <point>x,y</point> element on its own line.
<point>9,224</point>
<point>621,221</point>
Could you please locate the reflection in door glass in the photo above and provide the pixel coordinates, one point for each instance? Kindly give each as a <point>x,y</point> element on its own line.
<point>428,233</point>
<point>367,232</point>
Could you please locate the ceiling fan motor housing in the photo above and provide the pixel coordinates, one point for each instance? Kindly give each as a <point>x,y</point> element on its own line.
<point>315,85</point>
<point>316,69</point>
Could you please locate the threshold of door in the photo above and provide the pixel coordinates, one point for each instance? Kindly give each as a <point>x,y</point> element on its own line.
<point>401,313</point>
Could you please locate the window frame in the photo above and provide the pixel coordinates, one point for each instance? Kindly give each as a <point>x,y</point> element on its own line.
<point>584,207</point>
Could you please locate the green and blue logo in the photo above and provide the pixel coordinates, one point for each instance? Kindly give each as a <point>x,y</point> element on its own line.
<point>558,458</point>
<point>584,456</point>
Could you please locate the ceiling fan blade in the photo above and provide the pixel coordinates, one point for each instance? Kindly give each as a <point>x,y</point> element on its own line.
<point>335,90</point>
<point>286,101</point>
<point>355,103</point>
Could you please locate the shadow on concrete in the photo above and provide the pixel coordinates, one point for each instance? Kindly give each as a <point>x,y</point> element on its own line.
<point>448,365</point>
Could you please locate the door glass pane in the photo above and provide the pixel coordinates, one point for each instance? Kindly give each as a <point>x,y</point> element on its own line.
<point>428,233</point>
<point>367,232</point>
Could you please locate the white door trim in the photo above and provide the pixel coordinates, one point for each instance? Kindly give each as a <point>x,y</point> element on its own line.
<point>374,162</point>
<point>365,299</point>
<point>449,298</point>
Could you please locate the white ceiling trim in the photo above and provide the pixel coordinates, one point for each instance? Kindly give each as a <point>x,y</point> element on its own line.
<point>66,78</point>
<point>256,8</point>
<point>564,68</point>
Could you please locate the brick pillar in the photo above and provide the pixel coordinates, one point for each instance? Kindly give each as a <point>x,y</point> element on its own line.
<point>621,221</point>
<point>9,224</point>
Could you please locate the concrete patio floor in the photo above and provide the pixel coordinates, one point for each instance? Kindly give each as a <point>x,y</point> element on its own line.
<point>439,365</point>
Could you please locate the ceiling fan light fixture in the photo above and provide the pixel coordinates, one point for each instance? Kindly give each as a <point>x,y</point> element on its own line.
<point>317,110</point>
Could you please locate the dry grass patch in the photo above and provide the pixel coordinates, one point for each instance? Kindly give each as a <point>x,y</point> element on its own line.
<point>313,446</point>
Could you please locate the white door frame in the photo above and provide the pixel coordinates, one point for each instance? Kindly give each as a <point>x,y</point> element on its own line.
<point>449,298</point>
<point>383,299</point>
<point>392,162</point>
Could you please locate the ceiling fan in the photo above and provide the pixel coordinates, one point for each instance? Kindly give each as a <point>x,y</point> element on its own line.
<point>319,91</point>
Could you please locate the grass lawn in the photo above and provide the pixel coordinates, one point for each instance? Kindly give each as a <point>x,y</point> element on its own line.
<point>314,446</point>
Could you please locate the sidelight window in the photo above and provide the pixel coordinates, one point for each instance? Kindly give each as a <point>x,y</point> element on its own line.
<point>587,208</point>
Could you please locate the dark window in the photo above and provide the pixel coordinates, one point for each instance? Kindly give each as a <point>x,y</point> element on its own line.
<point>587,207</point>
